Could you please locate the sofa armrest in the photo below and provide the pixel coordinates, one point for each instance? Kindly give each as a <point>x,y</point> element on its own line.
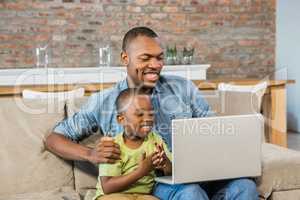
<point>280,170</point>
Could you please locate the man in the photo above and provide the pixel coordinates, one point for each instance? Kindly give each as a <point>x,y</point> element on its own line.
<point>172,97</point>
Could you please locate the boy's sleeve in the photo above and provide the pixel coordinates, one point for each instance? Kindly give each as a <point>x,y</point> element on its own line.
<point>110,169</point>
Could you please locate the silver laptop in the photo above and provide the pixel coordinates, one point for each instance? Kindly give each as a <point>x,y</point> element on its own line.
<point>215,148</point>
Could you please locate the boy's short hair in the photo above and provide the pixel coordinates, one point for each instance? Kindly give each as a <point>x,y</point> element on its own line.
<point>126,96</point>
<point>134,33</point>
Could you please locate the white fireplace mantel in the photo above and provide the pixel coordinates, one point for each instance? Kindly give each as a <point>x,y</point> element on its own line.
<point>44,76</point>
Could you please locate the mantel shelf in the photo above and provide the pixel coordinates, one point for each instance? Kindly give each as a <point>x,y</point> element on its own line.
<point>83,75</point>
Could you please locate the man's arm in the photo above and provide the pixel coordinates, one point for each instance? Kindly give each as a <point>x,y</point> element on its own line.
<point>106,151</point>
<point>60,145</point>
<point>63,139</point>
<point>199,106</point>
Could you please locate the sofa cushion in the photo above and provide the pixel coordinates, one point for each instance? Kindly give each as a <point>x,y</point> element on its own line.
<point>90,194</point>
<point>213,99</point>
<point>234,103</point>
<point>222,102</point>
<point>280,170</point>
<point>85,173</point>
<point>237,103</point>
<point>286,195</point>
<point>74,105</point>
<point>26,166</point>
<point>256,93</point>
<point>56,194</point>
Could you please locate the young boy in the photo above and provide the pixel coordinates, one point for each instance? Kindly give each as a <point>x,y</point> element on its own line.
<point>142,152</point>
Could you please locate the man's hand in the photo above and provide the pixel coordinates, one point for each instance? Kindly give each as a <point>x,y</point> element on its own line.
<point>106,151</point>
<point>145,165</point>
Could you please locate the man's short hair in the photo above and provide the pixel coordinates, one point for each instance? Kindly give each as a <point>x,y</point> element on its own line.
<point>134,33</point>
<point>126,97</point>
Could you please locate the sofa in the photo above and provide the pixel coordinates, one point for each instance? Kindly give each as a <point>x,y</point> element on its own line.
<point>28,171</point>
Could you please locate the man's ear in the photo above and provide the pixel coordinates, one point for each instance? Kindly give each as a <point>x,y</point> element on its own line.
<point>120,118</point>
<point>124,58</point>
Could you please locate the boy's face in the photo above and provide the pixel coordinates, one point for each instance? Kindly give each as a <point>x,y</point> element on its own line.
<point>137,119</point>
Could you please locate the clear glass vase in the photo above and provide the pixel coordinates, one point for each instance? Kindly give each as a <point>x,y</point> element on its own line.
<point>43,56</point>
<point>104,56</point>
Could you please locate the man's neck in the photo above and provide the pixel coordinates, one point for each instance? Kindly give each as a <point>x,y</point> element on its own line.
<point>146,90</point>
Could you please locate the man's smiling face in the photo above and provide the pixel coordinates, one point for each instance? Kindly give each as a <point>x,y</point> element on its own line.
<point>144,61</point>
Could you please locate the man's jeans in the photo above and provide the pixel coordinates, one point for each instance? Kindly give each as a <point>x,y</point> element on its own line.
<point>236,189</point>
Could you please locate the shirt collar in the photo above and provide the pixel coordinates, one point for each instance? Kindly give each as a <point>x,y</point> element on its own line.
<point>123,85</point>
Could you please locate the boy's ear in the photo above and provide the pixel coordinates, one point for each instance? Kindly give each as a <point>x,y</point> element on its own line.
<point>124,58</point>
<point>120,118</point>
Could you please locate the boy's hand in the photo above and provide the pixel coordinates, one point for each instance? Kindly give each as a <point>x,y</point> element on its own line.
<point>145,165</point>
<point>160,159</point>
<point>105,151</point>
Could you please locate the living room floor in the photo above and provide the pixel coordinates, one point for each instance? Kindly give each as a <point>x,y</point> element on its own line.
<point>294,140</point>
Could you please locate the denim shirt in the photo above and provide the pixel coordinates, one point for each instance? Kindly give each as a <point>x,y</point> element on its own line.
<point>173,97</point>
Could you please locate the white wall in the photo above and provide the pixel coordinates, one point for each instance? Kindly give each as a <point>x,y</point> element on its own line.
<point>288,55</point>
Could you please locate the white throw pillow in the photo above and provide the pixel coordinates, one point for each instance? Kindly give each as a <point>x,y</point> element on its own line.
<point>61,96</point>
<point>260,87</point>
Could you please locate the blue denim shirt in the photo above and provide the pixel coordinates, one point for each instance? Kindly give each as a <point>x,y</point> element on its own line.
<point>173,98</point>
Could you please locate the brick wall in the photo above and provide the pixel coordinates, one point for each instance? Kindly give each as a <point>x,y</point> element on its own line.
<point>237,37</point>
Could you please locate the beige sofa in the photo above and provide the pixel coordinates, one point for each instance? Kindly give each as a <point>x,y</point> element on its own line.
<point>28,171</point>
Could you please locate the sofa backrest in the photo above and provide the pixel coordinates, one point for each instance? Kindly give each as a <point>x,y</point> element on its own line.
<point>235,103</point>
<point>26,166</point>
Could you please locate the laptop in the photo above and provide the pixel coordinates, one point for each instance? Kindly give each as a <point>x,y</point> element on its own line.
<point>215,148</point>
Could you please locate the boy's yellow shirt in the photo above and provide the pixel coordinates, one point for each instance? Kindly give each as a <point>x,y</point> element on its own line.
<point>129,162</point>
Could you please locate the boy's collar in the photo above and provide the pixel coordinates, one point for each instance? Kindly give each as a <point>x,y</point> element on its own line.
<point>145,139</point>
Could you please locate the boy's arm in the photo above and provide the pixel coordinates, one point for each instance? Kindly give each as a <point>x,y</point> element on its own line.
<point>112,184</point>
